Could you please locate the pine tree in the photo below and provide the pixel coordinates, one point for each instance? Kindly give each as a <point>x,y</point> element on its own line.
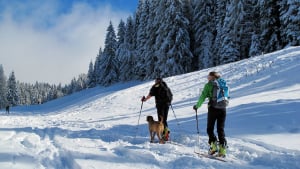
<point>270,25</point>
<point>290,19</point>
<point>168,45</point>
<point>229,49</point>
<point>109,64</point>
<point>12,93</point>
<point>204,28</point>
<point>24,98</point>
<point>3,88</point>
<point>126,52</point>
<point>81,82</point>
<point>155,37</point>
<point>143,41</point>
<point>247,25</point>
<point>219,17</point>
<point>91,78</point>
<point>121,33</point>
<point>97,68</point>
<point>255,48</point>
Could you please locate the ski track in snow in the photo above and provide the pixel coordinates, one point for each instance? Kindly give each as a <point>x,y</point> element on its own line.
<point>98,128</point>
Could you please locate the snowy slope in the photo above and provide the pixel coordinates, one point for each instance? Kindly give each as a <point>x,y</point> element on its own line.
<point>98,128</point>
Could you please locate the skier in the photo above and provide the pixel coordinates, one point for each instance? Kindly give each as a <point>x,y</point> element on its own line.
<point>163,98</point>
<point>214,115</point>
<point>7,109</point>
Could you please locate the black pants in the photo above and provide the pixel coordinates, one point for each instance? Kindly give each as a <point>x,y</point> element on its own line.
<point>162,110</point>
<point>218,115</point>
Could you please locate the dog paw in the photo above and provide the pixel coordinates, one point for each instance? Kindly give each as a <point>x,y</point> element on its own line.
<point>161,142</point>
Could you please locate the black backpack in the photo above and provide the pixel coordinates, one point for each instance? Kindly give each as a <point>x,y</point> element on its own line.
<point>165,92</point>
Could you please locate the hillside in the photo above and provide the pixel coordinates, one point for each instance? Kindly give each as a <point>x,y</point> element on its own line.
<point>98,127</point>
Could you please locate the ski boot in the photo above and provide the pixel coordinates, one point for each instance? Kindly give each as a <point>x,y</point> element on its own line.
<point>213,148</point>
<point>222,151</point>
<point>166,134</point>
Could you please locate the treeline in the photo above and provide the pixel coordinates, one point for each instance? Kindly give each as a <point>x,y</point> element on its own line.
<point>13,92</point>
<point>171,37</point>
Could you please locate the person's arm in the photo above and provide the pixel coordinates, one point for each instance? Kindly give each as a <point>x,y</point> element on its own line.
<point>146,98</point>
<point>204,95</point>
<point>151,93</point>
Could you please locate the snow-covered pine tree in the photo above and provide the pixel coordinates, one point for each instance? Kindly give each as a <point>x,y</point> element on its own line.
<point>270,25</point>
<point>255,48</point>
<point>122,49</point>
<point>22,92</point>
<point>91,78</point>
<point>289,20</point>
<point>121,33</point>
<point>154,22</point>
<point>246,25</point>
<point>97,69</point>
<point>109,64</point>
<point>174,55</point>
<point>3,88</point>
<point>229,49</point>
<point>12,90</point>
<point>144,17</point>
<point>125,52</point>
<point>219,19</point>
<point>204,28</point>
<point>81,82</point>
<point>35,93</point>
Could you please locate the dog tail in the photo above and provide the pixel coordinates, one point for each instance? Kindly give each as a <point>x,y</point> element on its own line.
<point>161,119</point>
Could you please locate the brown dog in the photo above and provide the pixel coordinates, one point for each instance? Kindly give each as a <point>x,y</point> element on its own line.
<point>155,127</point>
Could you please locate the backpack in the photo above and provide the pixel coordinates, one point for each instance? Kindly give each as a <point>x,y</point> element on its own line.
<point>166,93</point>
<point>220,97</point>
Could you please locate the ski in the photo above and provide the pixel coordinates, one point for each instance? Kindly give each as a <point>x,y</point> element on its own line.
<point>167,142</point>
<point>210,156</point>
<point>174,143</point>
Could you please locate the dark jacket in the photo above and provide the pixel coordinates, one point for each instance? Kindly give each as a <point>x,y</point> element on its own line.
<point>157,90</point>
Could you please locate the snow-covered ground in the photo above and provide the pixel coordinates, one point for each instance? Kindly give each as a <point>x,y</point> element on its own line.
<point>100,127</point>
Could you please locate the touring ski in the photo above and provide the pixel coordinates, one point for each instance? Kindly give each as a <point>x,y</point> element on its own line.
<point>211,156</point>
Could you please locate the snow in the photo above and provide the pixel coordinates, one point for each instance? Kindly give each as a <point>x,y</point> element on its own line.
<point>102,127</point>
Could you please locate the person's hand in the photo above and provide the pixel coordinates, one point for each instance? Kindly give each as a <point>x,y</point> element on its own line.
<point>195,107</point>
<point>143,99</point>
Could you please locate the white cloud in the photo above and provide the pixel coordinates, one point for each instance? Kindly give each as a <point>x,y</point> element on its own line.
<point>48,46</point>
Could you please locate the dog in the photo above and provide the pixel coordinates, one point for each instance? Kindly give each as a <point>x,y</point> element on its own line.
<point>155,127</point>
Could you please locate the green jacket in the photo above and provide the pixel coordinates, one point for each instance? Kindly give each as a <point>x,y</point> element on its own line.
<point>206,93</point>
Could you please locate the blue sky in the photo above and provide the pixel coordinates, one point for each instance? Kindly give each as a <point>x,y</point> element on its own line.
<point>54,40</point>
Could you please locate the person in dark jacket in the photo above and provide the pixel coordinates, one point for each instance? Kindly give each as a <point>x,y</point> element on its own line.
<point>7,109</point>
<point>161,101</point>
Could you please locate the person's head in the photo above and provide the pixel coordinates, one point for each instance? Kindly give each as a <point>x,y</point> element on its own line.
<point>213,75</point>
<point>158,80</point>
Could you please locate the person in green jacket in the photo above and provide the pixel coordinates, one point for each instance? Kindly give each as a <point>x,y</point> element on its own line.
<point>214,115</point>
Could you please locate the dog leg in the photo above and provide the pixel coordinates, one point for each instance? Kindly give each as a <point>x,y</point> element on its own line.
<point>161,141</point>
<point>151,136</point>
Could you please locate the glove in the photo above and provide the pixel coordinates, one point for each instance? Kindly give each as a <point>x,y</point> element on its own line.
<point>195,107</point>
<point>143,99</point>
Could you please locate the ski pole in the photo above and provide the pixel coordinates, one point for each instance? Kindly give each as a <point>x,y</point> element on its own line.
<point>139,119</point>
<point>197,122</point>
<point>198,130</point>
<point>174,114</point>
